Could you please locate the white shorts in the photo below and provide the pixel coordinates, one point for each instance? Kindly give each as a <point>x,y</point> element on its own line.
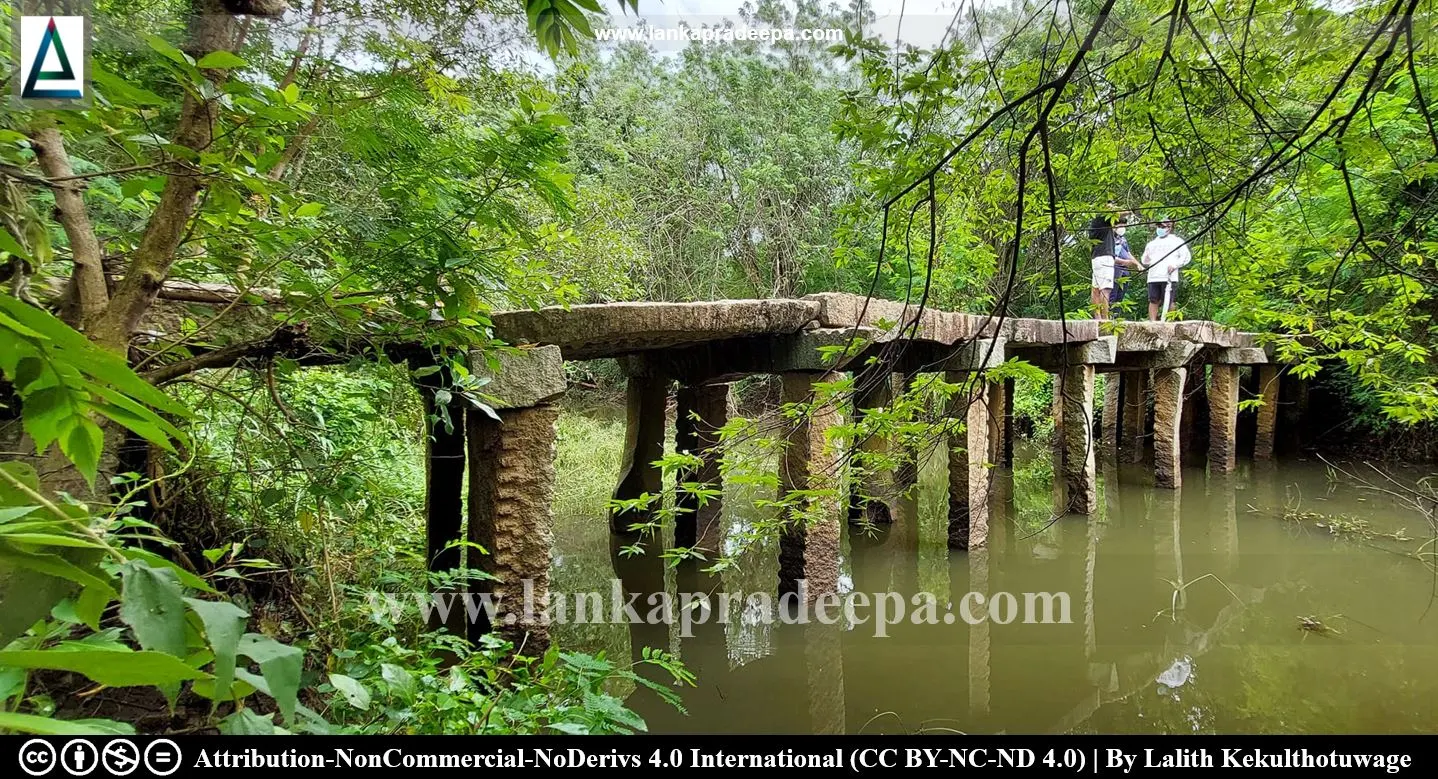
<point>1103,273</point>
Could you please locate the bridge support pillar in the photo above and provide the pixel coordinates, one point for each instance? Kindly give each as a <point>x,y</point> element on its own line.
<point>1008,444</point>
<point>1073,405</point>
<point>999,432</point>
<point>1195,394</point>
<point>1223,418</point>
<point>871,489</point>
<point>906,473</point>
<point>511,488</point>
<point>968,463</point>
<point>444,494</point>
<point>1112,405</point>
<point>1168,386</point>
<point>646,397</point>
<point>809,541</point>
<point>702,411</point>
<point>1135,413</point>
<point>1268,386</point>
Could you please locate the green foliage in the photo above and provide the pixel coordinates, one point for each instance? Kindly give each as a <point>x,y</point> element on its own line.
<point>444,684</point>
<point>68,388</point>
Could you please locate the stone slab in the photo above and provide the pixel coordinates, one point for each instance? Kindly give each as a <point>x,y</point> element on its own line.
<point>896,319</point>
<point>520,378</point>
<point>610,329</point>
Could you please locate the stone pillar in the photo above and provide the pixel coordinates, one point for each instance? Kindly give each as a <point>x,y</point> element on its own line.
<point>702,411</point>
<point>809,541</point>
<point>980,643</point>
<point>870,490</point>
<point>1135,413</point>
<point>511,490</point>
<point>824,660</point>
<point>998,422</point>
<point>646,398</point>
<point>968,464</point>
<point>1265,437</point>
<point>1194,395</point>
<point>1167,417</point>
<point>444,495</point>
<point>906,473</point>
<point>1073,391</point>
<point>1223,418</point>
<point>1112,403</point>
<point>1008,458</point>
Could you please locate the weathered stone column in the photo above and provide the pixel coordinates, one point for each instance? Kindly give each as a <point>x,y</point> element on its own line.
<point>870,491</point>
<point>1112,405</point>
<point>646,398</point>
<point>1195,394</point>
<point>444,495</point>
<point>809,542</point>
<point>511,490</point>
<point>1073,390</point>
<point>906,473</point>
<point>1223,418</point>
<point>980,643</point>
<point>702,411</point>
<point>1168,386</point>
<point>1135,413</point>
<point>1268,386</point>
<point>998,422</point>
<point>968,464</point>
<point>1008,454</point>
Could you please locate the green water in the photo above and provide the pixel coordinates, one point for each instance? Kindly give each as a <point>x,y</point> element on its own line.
<point>1205,588</point>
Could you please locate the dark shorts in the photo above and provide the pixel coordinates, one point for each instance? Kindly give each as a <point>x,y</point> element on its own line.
<point>1155,292</point>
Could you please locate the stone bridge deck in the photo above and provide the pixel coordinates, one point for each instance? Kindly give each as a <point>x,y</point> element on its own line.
<point>1170,367</point>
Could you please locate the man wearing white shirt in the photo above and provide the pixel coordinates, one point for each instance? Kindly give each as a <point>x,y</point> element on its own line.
<point>1163,257</point>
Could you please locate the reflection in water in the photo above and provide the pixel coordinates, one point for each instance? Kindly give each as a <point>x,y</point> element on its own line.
<point>1175,626</point>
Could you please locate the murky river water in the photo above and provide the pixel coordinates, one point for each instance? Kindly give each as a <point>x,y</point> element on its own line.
<point>1271,600</point>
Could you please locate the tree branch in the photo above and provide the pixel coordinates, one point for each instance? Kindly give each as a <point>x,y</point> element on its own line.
<point>86,295</point>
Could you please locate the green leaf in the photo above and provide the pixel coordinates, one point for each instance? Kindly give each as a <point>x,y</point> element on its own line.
<point>248,722</point>
<point>280,666</point>
<point>354,693</point>
<point>82,445</point>
<point>186,577</point>
<point>24,473</point>
<point>224,623</point>
<point>221,60</point>
<point>166,50</point>
<point>108,667</point>
<point>46,726</point>
<point>59,567</point>
<point>400,681</point>
<point>12,514</point>
<point>153,605</point>
<point>90,359</point>
<point>91,603</point>
<point>49,539</point>
<point>9,244</point>
<point>310,209</point>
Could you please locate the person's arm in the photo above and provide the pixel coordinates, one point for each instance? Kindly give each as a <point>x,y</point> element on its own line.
<point>1181,257</point>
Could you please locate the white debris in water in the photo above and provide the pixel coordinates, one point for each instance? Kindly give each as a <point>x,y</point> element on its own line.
<point>1177,674</point>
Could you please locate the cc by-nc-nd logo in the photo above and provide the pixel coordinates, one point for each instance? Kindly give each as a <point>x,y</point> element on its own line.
<point>52,57</point>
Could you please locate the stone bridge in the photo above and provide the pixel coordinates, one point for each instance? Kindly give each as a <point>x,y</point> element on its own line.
<point>704,347</point>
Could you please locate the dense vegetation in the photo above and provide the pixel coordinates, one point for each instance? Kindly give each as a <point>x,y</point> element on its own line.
<point>359,185</point>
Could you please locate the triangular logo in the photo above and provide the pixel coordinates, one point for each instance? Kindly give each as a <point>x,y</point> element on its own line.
<point>38,73</point>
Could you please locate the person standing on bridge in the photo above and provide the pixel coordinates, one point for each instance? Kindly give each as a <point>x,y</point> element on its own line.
<point>1164,256</point>
<point>1121,269</point>
<point>1103,231</point>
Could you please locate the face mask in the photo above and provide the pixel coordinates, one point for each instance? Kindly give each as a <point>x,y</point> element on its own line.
<point>1162,231</point>
<point>1120,230</point>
